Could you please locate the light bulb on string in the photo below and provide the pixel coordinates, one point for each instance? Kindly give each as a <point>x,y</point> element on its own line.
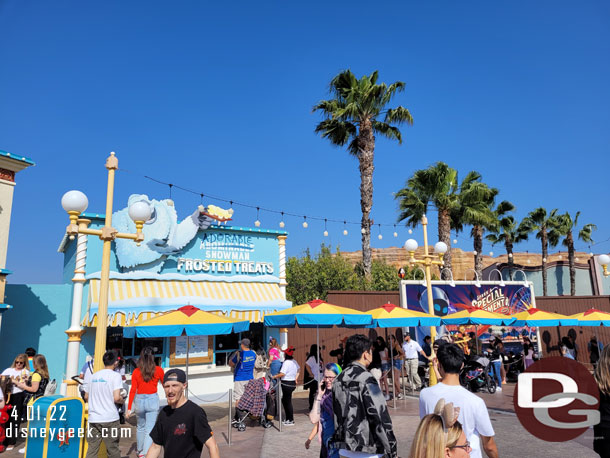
<point>305,222</point>
<point>325,230</point>
<point>380,236</point>
<point>455,241</point>
<point>344,227</point>
<point>395,233</point>
<point>363,231</point>
<point>410,231</point>
<point>257,223</point>
<point>282,224</point>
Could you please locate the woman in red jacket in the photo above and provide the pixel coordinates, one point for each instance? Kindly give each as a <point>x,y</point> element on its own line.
<point>144,389</point>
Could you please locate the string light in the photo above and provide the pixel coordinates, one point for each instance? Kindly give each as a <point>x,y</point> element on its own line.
<point>344,227</point>
<point>380,236</point>
<point>305,222</point>
<point>491,253</point>
<point>325,231</point>
<point>257,223</point>
<point>455,241</point>
<point>282,221</point>
<point>410,231</point>
<point>363,231</point>
<point>395,233</point>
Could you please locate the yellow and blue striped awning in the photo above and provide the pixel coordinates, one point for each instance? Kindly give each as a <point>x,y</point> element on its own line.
<point>132,301</point>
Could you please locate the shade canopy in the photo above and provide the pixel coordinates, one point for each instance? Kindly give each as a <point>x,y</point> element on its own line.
<point>317,313</point>
<point>477,316</point>
<point>592,317</point>
<point>536,317</point>
<point>187,320</point>
<point>390,316</point>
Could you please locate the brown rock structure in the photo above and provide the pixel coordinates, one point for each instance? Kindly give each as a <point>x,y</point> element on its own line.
<point>463,261</point>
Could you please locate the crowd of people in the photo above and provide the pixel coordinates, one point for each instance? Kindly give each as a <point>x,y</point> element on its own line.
<point>347,402</point>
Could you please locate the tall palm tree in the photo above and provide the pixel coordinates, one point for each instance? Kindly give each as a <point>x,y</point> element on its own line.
<point>358,111</point>
<point>437,185</point>
<point>566,226</point>
<point>545,227</point>
<point>508,232</point>
<point>477,210</point>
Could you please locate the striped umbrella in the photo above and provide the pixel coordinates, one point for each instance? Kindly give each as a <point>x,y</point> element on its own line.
<point>592,317</point>
<point>535,317</point>
<point>477,316</point>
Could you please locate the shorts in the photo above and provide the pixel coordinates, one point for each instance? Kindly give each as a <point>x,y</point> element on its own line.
<point>398,364</point>
<point>238,388</point>
<point>385,367</point>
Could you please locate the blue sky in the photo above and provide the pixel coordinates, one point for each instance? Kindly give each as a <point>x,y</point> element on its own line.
<point>217,97</point>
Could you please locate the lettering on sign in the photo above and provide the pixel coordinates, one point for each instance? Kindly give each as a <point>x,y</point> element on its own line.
<point>227,267</point>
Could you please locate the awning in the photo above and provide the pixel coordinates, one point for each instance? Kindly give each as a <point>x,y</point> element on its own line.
<point>131,301</point>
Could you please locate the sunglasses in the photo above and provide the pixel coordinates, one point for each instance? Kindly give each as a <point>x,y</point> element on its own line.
<point>466,446</point>
<point>19,362</point>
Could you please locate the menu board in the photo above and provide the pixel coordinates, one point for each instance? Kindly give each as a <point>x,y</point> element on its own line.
<point>198,347</point>
<point>200,350</point>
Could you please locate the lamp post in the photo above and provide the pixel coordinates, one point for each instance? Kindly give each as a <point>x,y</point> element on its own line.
<point>75,202</point>
<point>604,260</point>
<point>427,260</point>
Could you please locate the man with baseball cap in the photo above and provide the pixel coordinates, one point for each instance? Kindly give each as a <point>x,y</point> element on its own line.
<point>243,362</point>
<point>182,427</point>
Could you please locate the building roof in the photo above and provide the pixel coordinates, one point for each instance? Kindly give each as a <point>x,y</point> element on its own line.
<point>17,157</point>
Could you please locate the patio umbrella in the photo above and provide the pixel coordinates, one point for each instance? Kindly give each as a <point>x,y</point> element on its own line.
<point>536,317</point>
<point>189,321</point>
<point>317,314</point>
<point>392,316</point>
<point>592,317</point>
<point>477,316</point>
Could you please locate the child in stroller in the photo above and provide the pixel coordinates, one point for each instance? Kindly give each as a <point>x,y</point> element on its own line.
<point>475,374</point>
<point>257,402</point>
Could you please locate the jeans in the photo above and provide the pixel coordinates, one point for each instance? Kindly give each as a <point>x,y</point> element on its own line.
<point>274,369</point>
<point>497,369</point>
<point>147,408</point>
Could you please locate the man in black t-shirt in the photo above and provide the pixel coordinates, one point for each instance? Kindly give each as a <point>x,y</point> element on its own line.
<point>182,427</point>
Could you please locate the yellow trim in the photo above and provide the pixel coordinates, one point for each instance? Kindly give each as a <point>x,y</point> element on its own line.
<point>120,290</point>
<point>45,448</point>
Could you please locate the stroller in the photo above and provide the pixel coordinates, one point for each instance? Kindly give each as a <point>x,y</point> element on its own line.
<point>257,403</point>
<point>475,375</point>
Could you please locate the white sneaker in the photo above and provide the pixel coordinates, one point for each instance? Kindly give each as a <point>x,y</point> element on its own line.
<point>22,450</point>
<point>288,423</point>
<point>498,390</point>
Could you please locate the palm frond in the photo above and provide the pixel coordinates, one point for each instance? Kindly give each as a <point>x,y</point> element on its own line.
<point>390,132</point>
<point>337,132</point>
<point>398,115</point>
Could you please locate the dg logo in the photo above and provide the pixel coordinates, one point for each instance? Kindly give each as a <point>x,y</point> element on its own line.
<point>557,399</point>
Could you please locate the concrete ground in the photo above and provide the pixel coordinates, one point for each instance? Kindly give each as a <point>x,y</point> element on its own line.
<point>512,439</point>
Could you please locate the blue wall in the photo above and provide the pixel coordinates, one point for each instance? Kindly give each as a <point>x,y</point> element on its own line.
<point>40,315</point>
<point>558,280</point>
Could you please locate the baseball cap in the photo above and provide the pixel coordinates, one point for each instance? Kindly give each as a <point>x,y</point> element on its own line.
<point>245,342</point>
<point>175,375</point>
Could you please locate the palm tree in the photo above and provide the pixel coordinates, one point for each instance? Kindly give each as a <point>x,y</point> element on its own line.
<point>545,226</point>
<point>358,111</point>
<point>566,225</point>
<point>437,185</point>
<point>477,211</point>
<point>508,232</point>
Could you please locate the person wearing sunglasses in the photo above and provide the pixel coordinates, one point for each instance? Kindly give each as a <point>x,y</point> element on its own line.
<point>18,373</point>
<point>440,435</point>
<point>321,415</point>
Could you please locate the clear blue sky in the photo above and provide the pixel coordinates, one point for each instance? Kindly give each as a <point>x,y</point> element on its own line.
<point>217,97</point>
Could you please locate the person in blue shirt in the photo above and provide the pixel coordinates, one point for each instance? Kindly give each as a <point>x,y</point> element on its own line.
<point>243,363</point>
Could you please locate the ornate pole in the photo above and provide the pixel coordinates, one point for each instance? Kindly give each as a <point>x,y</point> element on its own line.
<point>282,245</point>
<point>75,331</point>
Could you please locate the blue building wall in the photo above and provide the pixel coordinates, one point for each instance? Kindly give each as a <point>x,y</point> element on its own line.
<point>39,318</point>
<point>558,280</point>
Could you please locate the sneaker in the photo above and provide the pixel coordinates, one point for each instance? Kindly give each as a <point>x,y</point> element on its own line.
<point>288,423</point>
<point>498,390</point>
<point>9,448</point>
<point>399,396</point>
<point>22,450</point>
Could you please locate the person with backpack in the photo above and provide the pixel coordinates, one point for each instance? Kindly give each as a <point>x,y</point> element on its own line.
<point>243,363</point>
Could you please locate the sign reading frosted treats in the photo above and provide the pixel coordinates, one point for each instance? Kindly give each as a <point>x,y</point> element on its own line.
<point>204,265</point>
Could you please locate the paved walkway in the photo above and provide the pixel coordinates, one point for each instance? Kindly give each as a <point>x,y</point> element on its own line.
<point>268,443</point>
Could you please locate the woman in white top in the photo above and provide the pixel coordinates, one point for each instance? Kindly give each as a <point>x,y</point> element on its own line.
<point>289,374</point>
<point>313,374</point>
<point>18,373</point>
